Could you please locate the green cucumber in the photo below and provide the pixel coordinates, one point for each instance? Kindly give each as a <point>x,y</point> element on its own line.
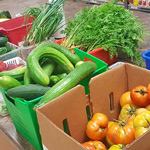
<point>61,76</point>
<point>17,73</point>
<point>48,67</point>
<point>68,82</point>
<point>3,50</point>
<point>3,41</point>
<point>74,58</point>
<point>27,78</point>
<point>7,82</point>
<point>53,79</point>
<point>8,48</point>
<point>34,68</point>
<point>28,92</point>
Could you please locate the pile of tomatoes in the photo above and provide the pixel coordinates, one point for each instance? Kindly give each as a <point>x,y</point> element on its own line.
<point>133,121</point>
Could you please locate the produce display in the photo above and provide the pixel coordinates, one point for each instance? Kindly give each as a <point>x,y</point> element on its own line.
<point>4,46</point>
<point>39,75</point>
<point>108,26</point>
<point>133,121</point>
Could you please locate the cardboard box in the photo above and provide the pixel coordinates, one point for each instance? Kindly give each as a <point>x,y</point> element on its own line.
<point>6,143</point>
<point>71,107</point>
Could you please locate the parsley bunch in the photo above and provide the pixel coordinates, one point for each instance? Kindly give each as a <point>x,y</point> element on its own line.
<point>108,26</point>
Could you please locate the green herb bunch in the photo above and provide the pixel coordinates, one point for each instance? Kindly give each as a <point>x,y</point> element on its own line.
<point>47,20</point>
<point>108,26</point>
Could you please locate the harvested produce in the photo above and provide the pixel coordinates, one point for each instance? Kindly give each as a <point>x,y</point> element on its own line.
<point>17,73</point>
<point>120,133</point>
<point>27,79</point>
<point>141,123</point>
<point>28,92</point>
<point>117,147</point>
<point>7,82</point>
<point>35,70</point>
<point>47,19</point>
<point>109,26</point>
<point>97,127</point>
<point>98,145</point>
<point>139,96</point>
<point>88,146</point>
<point>128,111</point>
<point>54,79</point>
<point>68,82</point>
<point>2,66</point>
<point>125,99</point>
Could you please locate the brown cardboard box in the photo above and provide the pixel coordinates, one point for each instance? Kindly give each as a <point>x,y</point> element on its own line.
<point>6,143</point>
<point>105,91</point>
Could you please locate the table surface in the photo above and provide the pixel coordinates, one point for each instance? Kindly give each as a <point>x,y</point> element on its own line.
<point>8,127</point>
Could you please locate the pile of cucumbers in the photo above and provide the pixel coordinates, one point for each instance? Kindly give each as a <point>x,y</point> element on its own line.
<point>51,71</point>
<point>4,46</point>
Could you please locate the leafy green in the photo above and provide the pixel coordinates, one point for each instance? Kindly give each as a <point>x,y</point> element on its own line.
<point>108,26</point>
<point>47,20</point>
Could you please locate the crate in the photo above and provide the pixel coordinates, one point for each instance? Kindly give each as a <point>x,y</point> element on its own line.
<point>23,115</point>
<point>99,53</point>
<point>146,56</point>
<point>15,29</point>
<point>10,54</point>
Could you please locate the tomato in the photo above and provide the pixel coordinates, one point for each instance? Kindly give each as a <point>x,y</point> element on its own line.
<point>141,123</point>
<point>117,147</point>
<point>127,111</point>
<point>88,146</point>
<point>97,127</point>
<point>98,145</point>
<point>148,107</point>
<point>140,110</point>
<point>2,66</point>
<point>139,96</point>
<point>125,99</point>
<point>120,133</point>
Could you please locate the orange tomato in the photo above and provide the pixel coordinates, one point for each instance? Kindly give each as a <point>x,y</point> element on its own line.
<point>125,99</point>
<point>117,147</point>
<point>98,145</point>
<point>120,133</point>
<point>88,146</point>
<point>97,127</point>
<point>148,107</point>
<point>139,96</point>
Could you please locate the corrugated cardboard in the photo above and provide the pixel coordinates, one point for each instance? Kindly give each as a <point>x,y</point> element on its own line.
<point>6,143</point>
<point>105,91</point>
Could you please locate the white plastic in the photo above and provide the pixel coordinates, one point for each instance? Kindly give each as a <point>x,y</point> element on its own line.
<point>115,65</point>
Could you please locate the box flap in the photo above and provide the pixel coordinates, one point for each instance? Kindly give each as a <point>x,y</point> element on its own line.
<point>106,89</point>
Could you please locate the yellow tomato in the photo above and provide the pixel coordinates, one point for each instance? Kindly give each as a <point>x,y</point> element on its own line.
<point>117,147</point>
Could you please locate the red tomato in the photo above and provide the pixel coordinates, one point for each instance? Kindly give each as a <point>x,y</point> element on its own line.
<point>120,133</point>
<point>88,146</point>
<point>139,96</point>
<point>2,66</point>
<point>97,127</point>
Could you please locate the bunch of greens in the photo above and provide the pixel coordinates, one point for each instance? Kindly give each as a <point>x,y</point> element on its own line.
<point>47,20</point>
<point>108,26</point>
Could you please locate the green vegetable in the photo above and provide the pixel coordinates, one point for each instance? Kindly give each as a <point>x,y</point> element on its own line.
<point>35,70</point>
<point>3,41</point>
<point>61,75</point>
<point>15,73</point>
<point>3,109</point>
<point>28,92</point>
<point>3,50</point>
<point>8,48</point>
<point>54,79</point>
<point>7,82</point>
<point>47,21</point>
<point>27,78</point>
<point>5,14</point>
<point>74,58</point>
<point>68,82</point>
<point>48,66</point>
<point>108,26</point>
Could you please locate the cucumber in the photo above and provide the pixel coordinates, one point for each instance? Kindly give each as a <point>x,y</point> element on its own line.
<point>3,50</point>
<point>68,82</point>
<point>61,76</point>
<point>53,79</point>
<point>27,78</point>
<point>8,48</point>
<point>28,92</point>
<point>3,41</point>
<point>74,58</point>
<point>7,82</point>
<point>17,73</point>
<point>34,68</point>
<point>48,67</point>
